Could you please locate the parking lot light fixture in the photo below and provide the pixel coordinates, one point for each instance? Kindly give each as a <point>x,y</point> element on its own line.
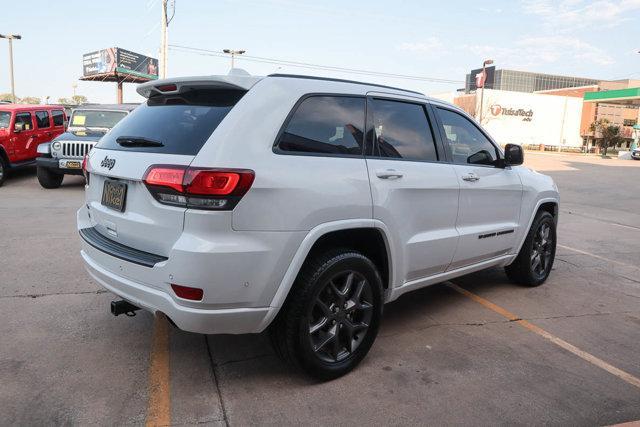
<point>484,79</point>
<point>11,37</point>
<point>233,54</point>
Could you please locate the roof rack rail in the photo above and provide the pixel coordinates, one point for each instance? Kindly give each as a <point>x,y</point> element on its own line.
<point>301,76</point>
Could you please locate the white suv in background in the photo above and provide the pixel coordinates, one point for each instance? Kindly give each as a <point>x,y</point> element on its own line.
<point>236,203</point>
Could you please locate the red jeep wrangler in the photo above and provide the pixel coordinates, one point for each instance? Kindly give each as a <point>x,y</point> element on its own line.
<point>22,128</point>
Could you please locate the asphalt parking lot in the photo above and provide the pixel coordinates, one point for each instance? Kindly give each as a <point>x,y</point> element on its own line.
<point>477,351</point>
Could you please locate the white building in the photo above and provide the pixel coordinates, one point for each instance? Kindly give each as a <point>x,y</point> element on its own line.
<point>526,118</point>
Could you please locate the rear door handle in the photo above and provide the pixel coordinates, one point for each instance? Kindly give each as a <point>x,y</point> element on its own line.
<point>471,177</point>
<point>388,174</point>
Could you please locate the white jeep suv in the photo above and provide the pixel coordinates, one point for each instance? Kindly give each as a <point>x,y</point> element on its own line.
<point>236,203</point>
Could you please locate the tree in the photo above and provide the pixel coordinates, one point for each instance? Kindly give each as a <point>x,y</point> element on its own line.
<point>29,100</point>
<point>609,134</point>
<point>79,99</point>
<point>6,97</point>
<point>75,100</point>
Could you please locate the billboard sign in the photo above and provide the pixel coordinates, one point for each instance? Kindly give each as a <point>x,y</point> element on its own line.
<point>121,61</point>
<point>480,79</point>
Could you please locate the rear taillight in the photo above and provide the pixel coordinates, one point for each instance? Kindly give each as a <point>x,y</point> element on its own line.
<point>85,172</point>
<point>216,189</point>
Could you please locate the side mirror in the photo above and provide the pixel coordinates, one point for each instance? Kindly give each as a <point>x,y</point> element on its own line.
<point>513,155</point>
<point>18,127</point>
<point>482,157</point>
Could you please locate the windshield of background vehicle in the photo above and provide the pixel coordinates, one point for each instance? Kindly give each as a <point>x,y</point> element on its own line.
<point>95,119</point>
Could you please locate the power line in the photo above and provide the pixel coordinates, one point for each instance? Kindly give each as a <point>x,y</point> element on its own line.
<point>216,53</point>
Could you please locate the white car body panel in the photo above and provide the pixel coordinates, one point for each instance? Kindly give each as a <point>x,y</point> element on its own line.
<point>489,205</point>
<point>421,208</point>
<point>247,259</point>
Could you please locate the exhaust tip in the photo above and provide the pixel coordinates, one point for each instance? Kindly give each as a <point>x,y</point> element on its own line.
<point>123,307</point>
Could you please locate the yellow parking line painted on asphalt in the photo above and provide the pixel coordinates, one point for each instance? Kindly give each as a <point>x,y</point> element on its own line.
<point>159,406</point>
<point>625,376</point>
<point>597,256</point>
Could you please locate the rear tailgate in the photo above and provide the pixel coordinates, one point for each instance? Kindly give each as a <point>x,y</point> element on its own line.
<point>144,224</point>
<point>168,130</point>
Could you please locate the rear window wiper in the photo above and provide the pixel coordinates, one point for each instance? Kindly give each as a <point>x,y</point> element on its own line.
<point>138,141</point>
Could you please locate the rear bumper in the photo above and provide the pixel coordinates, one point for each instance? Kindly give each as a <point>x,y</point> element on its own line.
<point>240,272</point>
<point>205,321</point>
<point>54,165</point>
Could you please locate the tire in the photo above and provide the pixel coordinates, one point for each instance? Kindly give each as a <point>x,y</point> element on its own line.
<point>332,315</point>
<point>48,179</point>
<point>3,170</point>
<point>535,260</point>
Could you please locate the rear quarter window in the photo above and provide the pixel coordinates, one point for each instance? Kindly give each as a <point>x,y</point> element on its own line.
<point>324,124</point>
<point>172,124</point>
<point>42,118</point>
<point>58,117</point>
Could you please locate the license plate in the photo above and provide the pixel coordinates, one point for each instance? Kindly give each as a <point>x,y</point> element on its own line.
<point>70,164</point>
<point>114,194</point>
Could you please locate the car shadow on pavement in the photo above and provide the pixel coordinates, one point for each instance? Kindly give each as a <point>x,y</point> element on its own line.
<point>418,310</point>
<point>23,175</point>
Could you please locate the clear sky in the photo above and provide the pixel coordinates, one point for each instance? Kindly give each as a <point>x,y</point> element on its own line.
<point>441,39</point>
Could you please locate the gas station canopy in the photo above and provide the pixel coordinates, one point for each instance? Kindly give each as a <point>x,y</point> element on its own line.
<point>630,96</point>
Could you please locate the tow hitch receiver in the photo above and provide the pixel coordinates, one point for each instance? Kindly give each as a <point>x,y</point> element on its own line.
<point>123,307</point>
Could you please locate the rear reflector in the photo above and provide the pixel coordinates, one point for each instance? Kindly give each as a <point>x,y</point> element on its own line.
<point>185,292</point>
<point>218,189</point>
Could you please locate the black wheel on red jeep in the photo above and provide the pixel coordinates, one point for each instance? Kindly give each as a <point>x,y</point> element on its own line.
<point>331,317</point>
<point>3,170</point>
<point>49,179</point>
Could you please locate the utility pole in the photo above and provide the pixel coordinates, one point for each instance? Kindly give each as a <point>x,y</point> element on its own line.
<point>163,41</point>
<point>484,80</point>
<point>10,37</point>
<point>233,54</point>
<point>164,37</point>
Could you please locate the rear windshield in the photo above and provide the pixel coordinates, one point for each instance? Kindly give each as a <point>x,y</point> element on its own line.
<point>172,124</point>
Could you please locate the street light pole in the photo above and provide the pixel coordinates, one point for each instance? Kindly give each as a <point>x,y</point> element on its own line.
<point>484,78</point>
<point>233,54</point>
<point>10,37</point>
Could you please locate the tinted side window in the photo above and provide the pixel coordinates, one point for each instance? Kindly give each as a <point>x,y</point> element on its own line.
<point>42,119</point>
<point>58,117</point>
<point>326,125</point>
<point>401,130</point>
<point>468,144</point>
<point>25,119</point>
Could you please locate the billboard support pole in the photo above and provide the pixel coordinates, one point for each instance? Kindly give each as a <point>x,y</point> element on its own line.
<point>119,91</point>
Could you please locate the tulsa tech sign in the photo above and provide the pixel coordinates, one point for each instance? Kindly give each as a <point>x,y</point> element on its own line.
<point>499,110</point>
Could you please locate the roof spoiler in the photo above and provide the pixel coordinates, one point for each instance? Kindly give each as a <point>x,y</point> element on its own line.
<point>235,80</point>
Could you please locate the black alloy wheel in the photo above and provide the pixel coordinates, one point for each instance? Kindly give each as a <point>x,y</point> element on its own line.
<point>541,250</point>
<point>331,316</point>
<point>533,264</point>
<point>341,315</point>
